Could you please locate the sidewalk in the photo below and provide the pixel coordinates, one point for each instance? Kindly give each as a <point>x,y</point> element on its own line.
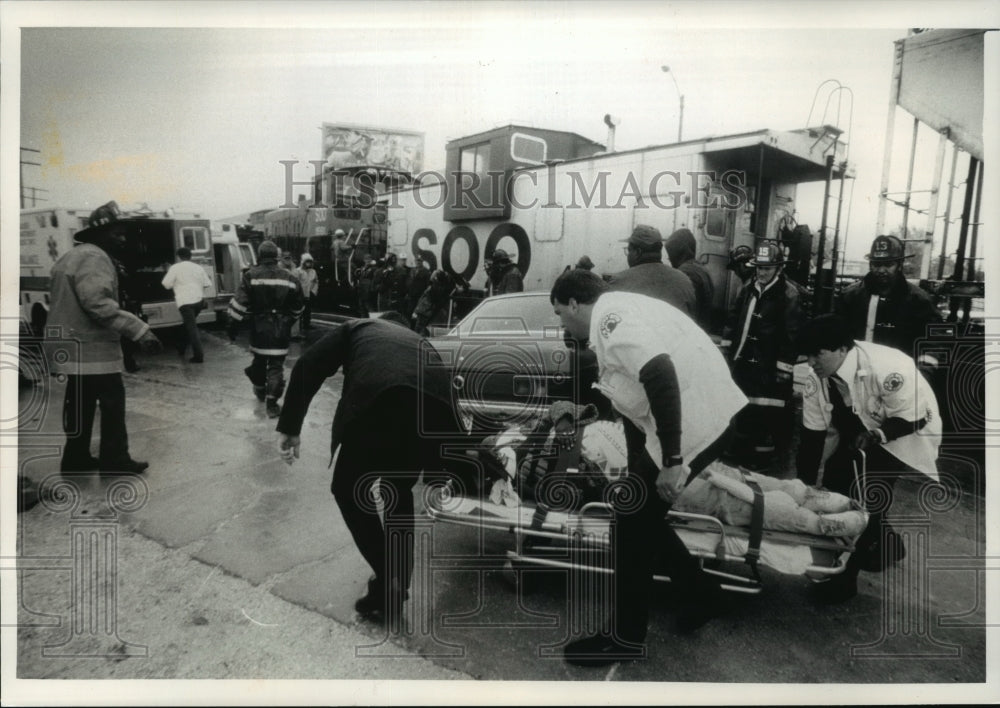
<point>228,563</point>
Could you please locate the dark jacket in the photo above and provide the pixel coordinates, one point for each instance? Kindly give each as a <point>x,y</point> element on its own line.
<point>270,298</point>
<point>433,299</point>
<point>763,366</point>
<point>418,282</point>
<point>656,279</point>
<point>506,279</point>
<point>901,318</point>
<point>681,251</point>
<point>376,356</point>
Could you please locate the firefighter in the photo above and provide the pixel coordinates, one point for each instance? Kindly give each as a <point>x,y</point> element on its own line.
<point>434,299</point>
<point>760,336</point>
<point>341,252</point>
<point>884,308</point>
<point>366,289</point>
<point>504,275</point>
<point>387,284</point>
<point>270,298</point>
<point>739,273</point>
<point>418,281</point>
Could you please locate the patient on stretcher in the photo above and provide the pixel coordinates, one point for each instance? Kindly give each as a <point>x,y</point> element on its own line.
<point>719,491</point>
<point>789,505</point>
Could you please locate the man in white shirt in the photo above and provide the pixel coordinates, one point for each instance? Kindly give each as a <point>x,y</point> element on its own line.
<point>876,400</point>
<point>672,386</point>
<point>188,281</point>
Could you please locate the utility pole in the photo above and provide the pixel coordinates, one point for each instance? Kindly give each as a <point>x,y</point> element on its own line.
<point>21,173</point>
<point>680,96</point>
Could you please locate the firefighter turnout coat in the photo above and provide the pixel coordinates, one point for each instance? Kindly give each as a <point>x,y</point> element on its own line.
<point>270,298</point>
<point>897,319</point>
<point>86,322</point>
<point>761,333</point>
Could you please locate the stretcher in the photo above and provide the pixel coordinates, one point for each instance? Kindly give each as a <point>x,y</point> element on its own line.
<point>579,539</point>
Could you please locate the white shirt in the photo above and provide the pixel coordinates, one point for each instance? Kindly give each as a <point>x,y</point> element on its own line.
<point>626,332</point>
<point>882,383</point>
<point>188,281</point>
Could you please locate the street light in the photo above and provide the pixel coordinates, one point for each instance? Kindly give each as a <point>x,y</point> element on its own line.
<point>680,116</point>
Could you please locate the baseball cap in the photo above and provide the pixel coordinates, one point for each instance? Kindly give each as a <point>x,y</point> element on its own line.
<point>645,237</point>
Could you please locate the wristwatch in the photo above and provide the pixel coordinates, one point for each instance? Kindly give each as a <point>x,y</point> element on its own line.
<point>675,460</point>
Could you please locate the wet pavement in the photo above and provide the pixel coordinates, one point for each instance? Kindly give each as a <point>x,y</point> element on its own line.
<point>223,562</point>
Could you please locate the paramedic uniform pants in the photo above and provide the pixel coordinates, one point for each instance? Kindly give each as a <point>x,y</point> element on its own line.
<point>883,469</point>
<point>644,542</point>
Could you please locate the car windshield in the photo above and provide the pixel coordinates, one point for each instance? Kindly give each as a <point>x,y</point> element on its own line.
<point>511,315</point>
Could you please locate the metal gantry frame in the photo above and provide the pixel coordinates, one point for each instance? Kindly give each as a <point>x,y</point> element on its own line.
<point>961,283</point>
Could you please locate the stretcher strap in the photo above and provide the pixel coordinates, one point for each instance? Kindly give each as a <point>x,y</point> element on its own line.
<point>756,527</point>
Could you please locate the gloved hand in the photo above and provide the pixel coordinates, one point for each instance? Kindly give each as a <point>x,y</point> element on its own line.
<point>150,343</point>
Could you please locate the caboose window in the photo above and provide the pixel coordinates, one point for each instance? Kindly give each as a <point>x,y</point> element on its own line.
<point>715,223</point>
<point>475,159</point>
<point>528,148</point>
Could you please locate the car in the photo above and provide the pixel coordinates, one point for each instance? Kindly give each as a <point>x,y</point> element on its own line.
<point>509,359</point>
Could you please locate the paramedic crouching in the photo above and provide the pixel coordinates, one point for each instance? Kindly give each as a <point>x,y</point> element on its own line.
<point>673,388</point>
<point>876,400</point>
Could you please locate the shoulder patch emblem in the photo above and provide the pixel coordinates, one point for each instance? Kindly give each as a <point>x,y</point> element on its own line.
<point>892,382</point>
<point>810,387</point>
<point>609,323</point>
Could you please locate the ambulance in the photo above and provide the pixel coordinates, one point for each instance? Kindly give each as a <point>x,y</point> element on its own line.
<point>150,249</point>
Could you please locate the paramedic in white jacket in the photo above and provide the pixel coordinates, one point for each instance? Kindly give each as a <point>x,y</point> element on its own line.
<point>674,390</point>
<point>872,398</point>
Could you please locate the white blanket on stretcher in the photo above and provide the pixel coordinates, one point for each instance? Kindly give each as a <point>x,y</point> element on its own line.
<point>782,557</point>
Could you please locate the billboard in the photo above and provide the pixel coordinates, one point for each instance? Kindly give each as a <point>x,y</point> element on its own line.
<point>346,146</point>
<point>940,75</point>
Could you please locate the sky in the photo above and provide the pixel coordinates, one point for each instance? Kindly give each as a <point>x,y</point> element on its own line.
<point>197,118</point>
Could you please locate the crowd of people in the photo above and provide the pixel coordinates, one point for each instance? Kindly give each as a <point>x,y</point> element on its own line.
<point>685,399</point>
